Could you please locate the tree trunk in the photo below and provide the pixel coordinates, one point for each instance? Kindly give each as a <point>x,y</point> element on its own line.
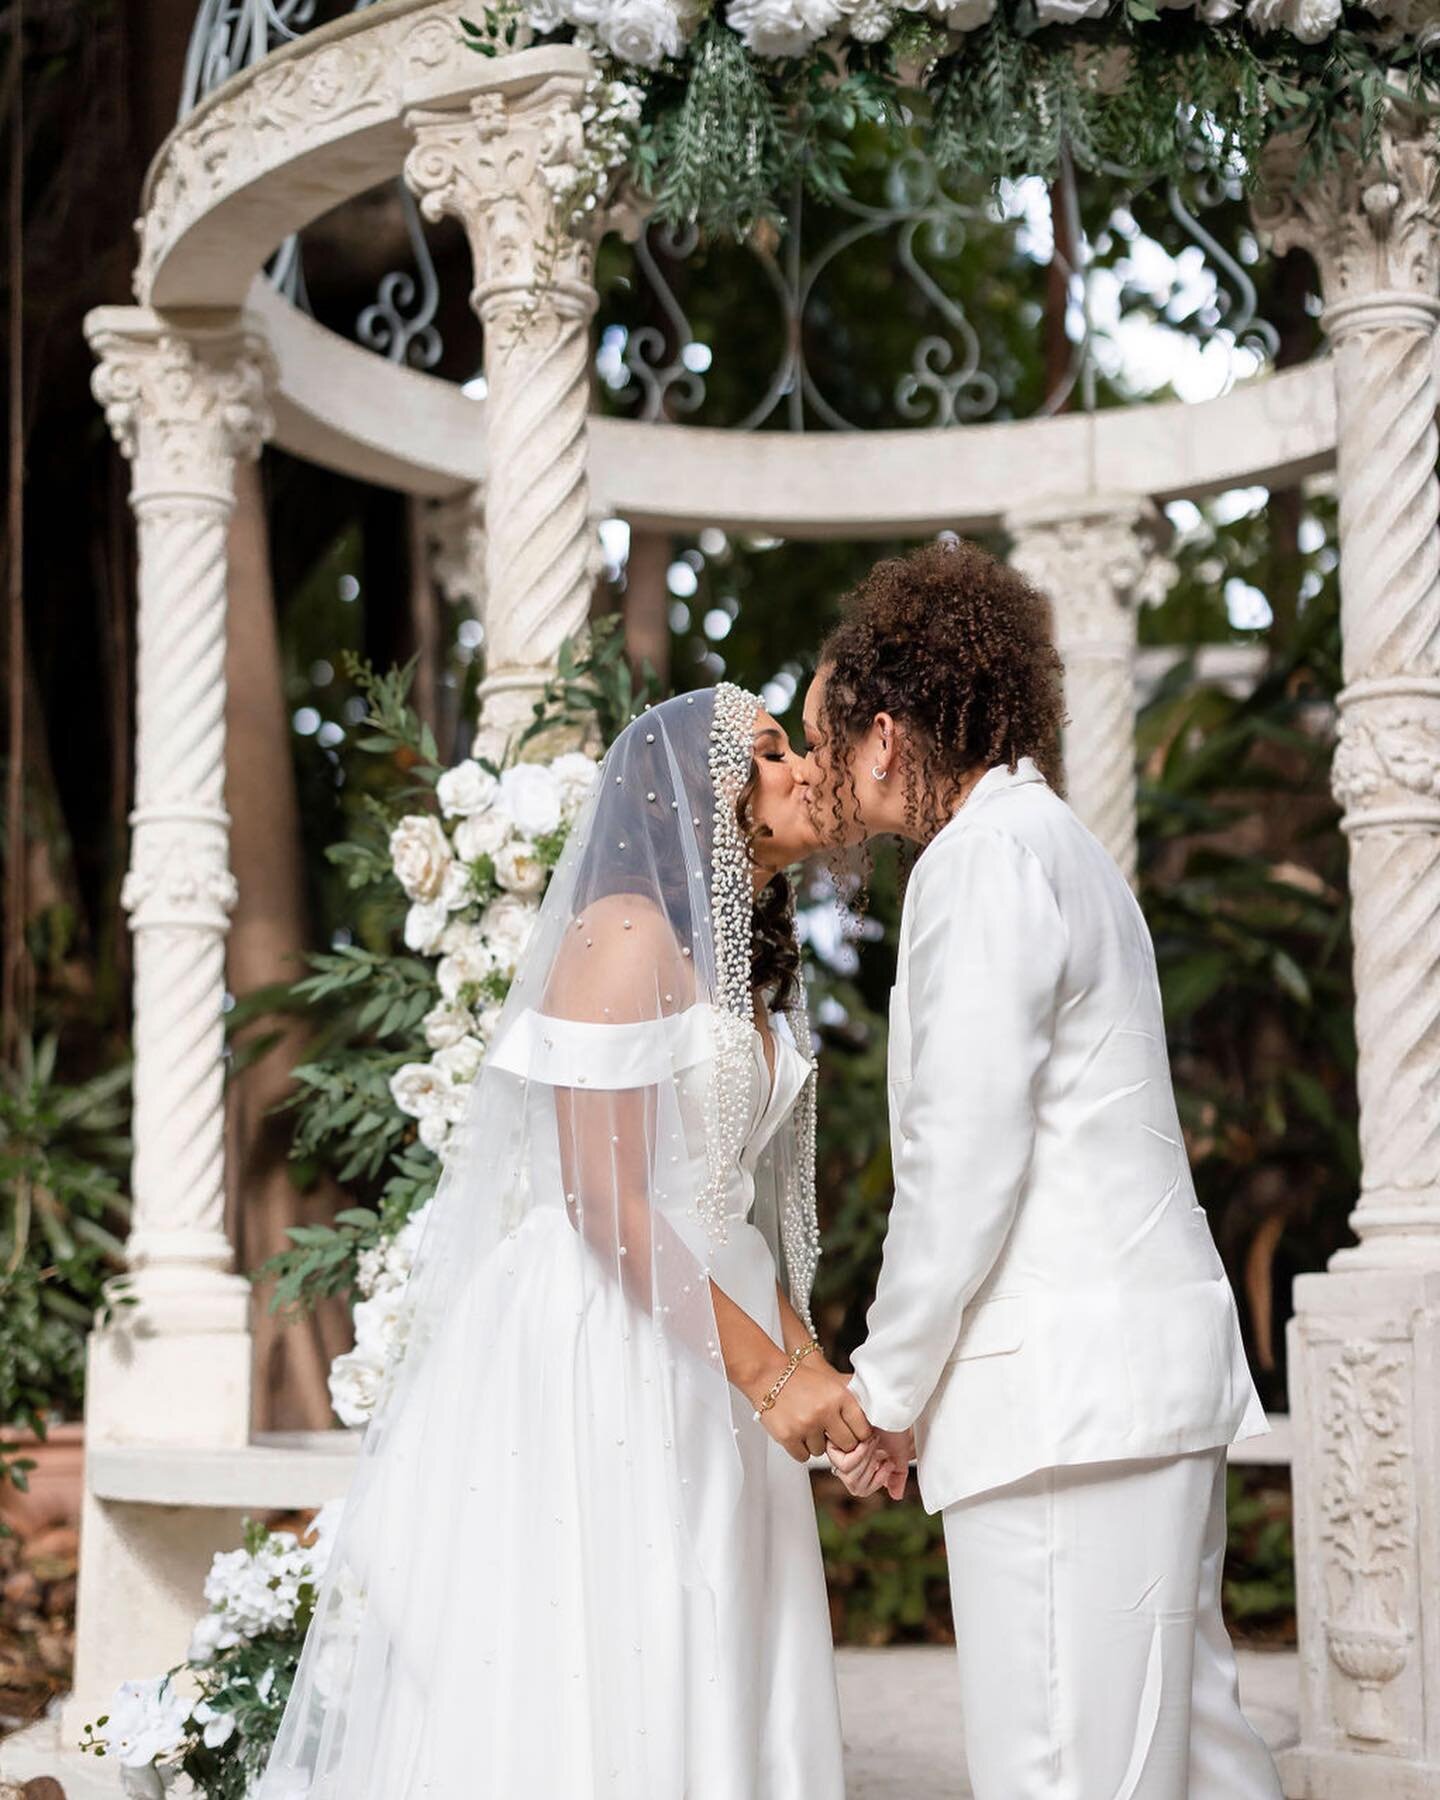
<point>647,604</point>
<point>267,941</point>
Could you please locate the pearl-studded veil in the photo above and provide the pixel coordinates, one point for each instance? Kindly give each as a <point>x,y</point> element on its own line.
<point>561,1383</point>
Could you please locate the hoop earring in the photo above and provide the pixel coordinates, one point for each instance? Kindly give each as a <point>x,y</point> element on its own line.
<point>878,774</point>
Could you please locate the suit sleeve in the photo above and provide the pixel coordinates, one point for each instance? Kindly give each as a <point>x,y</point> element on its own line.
<point>987,951</point>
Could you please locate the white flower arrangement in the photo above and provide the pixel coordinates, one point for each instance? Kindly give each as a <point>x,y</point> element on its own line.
<point>475,877</point>
<point>223,1697</point>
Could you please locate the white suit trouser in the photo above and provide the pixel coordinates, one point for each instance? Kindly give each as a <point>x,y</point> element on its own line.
<point>1094,1663</point>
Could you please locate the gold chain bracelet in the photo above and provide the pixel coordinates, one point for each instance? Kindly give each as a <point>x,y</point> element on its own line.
<point>792,1363</point>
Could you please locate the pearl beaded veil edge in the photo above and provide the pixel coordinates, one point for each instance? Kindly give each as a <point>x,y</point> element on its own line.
<point>561,1291</point>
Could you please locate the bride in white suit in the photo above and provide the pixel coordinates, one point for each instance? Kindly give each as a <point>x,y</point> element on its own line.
<point>1052,1319</point>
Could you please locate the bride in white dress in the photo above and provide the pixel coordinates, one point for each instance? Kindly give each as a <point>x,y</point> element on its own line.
<point>576,1559</point>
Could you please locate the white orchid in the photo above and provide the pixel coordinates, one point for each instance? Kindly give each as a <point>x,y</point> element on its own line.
<point>216,1727</point>
<point>420,855</point>
<point>144,1720</point>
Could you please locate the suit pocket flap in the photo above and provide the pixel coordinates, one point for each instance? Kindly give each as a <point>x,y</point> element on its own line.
<point>994,1328</point>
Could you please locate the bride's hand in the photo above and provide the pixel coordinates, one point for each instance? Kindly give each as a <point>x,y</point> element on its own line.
<point>814,1405</point>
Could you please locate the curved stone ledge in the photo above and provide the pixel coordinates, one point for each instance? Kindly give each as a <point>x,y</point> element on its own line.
<point>338,404</point>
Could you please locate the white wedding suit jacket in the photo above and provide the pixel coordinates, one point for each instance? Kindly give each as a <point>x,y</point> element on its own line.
<point>1050,1292</point>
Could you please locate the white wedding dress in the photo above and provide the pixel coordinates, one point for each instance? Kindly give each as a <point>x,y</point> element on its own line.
<point>574,1564</point>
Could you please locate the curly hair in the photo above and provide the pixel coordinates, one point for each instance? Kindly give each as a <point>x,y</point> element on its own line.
<point>774,949</point>
<point>958,648</point>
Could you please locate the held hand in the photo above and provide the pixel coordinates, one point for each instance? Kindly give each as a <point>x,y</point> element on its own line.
<point>814,1406</point>
<point>882,1462</point>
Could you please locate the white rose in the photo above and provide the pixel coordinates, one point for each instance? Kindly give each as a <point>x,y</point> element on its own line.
<point>531,795</point>
<point>482,834</point>
<point>869,20</point>
<point>641,32</point>
<point>1069,12</point>
<point>486,1022</point>
<point>465,966</point>
<point>459,1063</point>
<point>145,1719</point>
<point>519,869</point>
<point>445,1025</point>
<point>575,772</point>
<point>420,855</point>
<point>381,1326</point>
<point>355,1387</point>
<point>782,27</point>
<point>1308,20</point>
<point>466,789</point>
<point>507,924</point>
<point>424,923</point>
<point>435,1134</point>
<point>455,890</point>
<point>415,1089</point>
<point>547,15</point>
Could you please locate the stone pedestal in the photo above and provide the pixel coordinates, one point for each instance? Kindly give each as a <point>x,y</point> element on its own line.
<point>184,401</point>
<point>1365,1374</point>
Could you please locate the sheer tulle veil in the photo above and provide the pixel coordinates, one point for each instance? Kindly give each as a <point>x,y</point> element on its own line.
<point>563,1275</point>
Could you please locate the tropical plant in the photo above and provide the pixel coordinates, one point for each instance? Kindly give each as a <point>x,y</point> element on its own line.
<point>63,1153</point>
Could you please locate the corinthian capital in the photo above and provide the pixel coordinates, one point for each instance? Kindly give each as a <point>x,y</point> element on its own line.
<point>1373,226</point>
<point>499,164</point>
<point>183,403</point>
<point>1097,566</point>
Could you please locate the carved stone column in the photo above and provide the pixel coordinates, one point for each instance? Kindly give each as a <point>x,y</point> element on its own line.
<point>1365,1340</point>
<point>1095,565</point>
<point>491,163</point>
<point>184,402</point>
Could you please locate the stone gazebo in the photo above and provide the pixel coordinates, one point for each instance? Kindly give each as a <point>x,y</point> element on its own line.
<point>214,362</point>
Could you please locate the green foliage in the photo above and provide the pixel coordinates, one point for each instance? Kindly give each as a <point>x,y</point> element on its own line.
<point>63,1151</point>
<point>364,1001</point>
<point>1244,885</point>
<point>726,137</point>
<point>1259,1588</point>
<point>885,1568</point>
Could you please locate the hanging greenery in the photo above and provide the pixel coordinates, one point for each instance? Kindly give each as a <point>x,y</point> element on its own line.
<point>726,108</point>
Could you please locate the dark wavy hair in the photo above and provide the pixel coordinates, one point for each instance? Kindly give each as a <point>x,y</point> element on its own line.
<point>774,949</point>
<point>958,648</point>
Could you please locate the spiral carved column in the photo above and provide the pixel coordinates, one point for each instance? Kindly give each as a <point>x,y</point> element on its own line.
<point>184,402</point>
<point>1365,1339</point>
<point>1093,566</point>
<point>487,163</point>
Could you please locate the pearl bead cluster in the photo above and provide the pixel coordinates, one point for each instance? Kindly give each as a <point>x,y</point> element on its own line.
<point>728,1108</point>
<point>799,1226</point>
